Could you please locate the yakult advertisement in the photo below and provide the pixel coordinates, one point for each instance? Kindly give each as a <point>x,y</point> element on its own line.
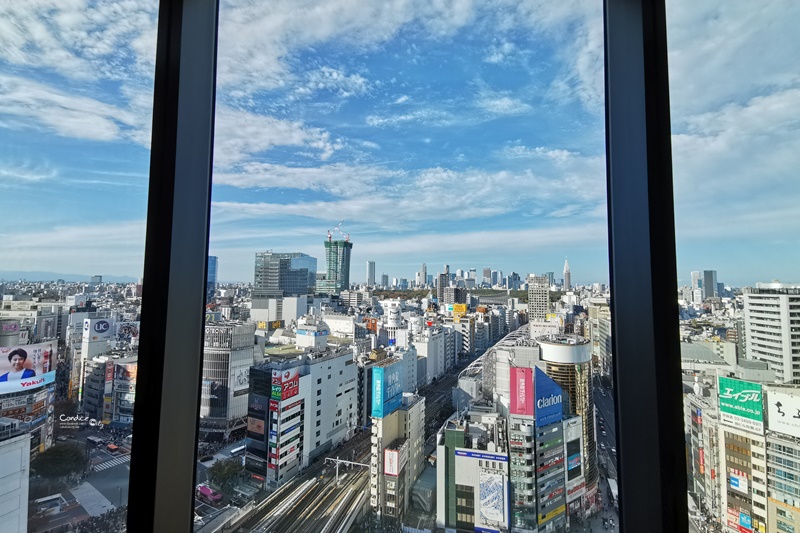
<point>27,367</point>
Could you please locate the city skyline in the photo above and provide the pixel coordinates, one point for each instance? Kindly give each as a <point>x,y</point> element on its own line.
<point>430,140</point>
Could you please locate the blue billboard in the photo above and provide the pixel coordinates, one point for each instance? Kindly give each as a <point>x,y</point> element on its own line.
<point>387,389</point>
<point>548,399</point>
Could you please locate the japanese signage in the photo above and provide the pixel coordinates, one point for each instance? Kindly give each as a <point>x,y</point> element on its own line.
<point>548,399</point>
<point>387,389</point>
<point>255,425</point>
<point>739,481</point>
<point>285,383</point>
<point>522,391</point>
<point>783,412</point>
<point>26,367</point>
<point>391,462</point>
<point>740,404</point>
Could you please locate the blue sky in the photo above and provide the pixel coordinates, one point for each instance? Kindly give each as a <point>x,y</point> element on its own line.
<point>458,132</point>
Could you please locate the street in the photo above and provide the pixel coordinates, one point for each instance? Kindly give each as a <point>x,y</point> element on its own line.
<point>604,403</point>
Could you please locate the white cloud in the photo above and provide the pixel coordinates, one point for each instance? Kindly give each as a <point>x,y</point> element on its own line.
<point>433,117</point>
<point>26,173</point>
<point>503,105</point>
<point>334,80</point>
<point>240,135</point>
<point>402,100</point>
<point>499,52</point>
<point>39,105</point>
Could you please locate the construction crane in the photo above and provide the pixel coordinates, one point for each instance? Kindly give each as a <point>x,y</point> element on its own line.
<point>338,227</point>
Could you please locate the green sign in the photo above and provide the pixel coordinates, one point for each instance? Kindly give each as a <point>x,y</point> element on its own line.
<point>741,403</point>
<point>276,392</point>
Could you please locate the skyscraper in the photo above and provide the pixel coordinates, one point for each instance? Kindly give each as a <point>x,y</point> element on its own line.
<point>337,257</point>
<point>370,273</point>
<point>442,281</point>
<point>283,274</point>
<point>567,284</point>
<point>211,284</point>
<point>710,284</point>
<point>696,279</point>
<point>771,323</point>
<point>487,275</point>
<point>423,274</point>
<point>538,298</point>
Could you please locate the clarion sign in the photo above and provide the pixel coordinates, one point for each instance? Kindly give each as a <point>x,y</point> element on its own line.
<point>547,402</point>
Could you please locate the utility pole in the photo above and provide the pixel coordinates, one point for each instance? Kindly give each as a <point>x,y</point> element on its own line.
<point>338,461</point>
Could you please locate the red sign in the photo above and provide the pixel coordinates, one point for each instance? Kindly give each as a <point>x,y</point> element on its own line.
<point>522,391</point>
<point>702,461</point>
<point>288,380</point>
<point>273,406</point>
<point>713,474</point>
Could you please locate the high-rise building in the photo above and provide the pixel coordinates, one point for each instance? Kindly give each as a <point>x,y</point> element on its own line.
<point>230,349</point>
<point>772,328</point>
<point>442,281</point>
<point>538,298</point>
<point>710,284</point>
<point>283,274</point>
<point>337,258</point>
<point>696,279</point>
<point>370,273</point>
<point>567,280</point>
<point>454,295</point>
<point>568,360</point>
<point>385,280</point>
<point>551,278</point>
<point>211,284</point>
<point>487,275</point>
<point>423,274</point>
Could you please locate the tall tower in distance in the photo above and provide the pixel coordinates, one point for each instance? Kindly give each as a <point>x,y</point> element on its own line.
<point>567,284</point>
<point>370,273</point>
<point>211,284</point>
<point>423,274</point>
<point>337,257</point>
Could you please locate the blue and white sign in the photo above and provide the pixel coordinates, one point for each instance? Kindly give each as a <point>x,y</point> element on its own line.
<point>387,389</point>
<point>101,326</point>
<point>548,399</point>
<point>482,455</point>
<point>745,521</point>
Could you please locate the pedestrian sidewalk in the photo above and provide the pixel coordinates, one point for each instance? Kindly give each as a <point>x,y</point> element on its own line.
<point>91,499</point>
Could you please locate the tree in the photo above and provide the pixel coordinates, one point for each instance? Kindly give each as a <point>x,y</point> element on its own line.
<point>224,473</point>
<point>59,461</point>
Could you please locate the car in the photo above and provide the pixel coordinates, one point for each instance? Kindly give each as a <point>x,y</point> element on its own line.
<point>602,446</point>
<point>61,438</point>
<point>604,434</point>
<point>613,451</point>
<point>206,458</point>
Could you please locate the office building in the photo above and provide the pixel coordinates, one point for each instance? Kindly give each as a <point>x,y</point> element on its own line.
<point>385,281</point>
<point>710,284</point>
<point>229,350</point>
<point>442,282</point>
<point>454,295</point>
<point>697,280</point>
<point>538,298</point>
<point>337,258</point>
<point>567,360</point>
<point>370,273</point>
<point>211,284</point>
<point>423,275</point>
<point>14,475</point>
<point>772,328</point>
<point>487,276</point>
<point>783,458</point>
<point>283,274</point>
<point>303,402</point>
<point>472,473</point>
<point>567,276</point>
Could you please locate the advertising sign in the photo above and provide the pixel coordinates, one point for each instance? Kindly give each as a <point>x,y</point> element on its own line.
<point>459,309</point>
<point>552,514</point>
<point>492,497</point>
<point>255,425</point>
<point>127,331</point>
<point>739,481</point>
<point>26,367</point>
<point>274,406</point>
<point>258,403</point>
<point>522,391</point>
<point>391,462</point>
<point>573,459</point>
<point>548,398</point>
<point>287,381</point>
<point>745,521</point>
<point>261,324</point>
<point>98,329</point>
<point>702,460</point>
<point>387,389</point>
<point>740,404</point>
<point>783,412</point>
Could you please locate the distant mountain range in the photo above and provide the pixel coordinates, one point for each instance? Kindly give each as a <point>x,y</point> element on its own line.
<point>11,275</point>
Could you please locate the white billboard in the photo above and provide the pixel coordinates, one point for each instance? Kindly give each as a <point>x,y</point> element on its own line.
<point>739,481</point>
<point>391,462</point>
<point>492,498</point>
<point>96,329</point>
<point>783,412</point>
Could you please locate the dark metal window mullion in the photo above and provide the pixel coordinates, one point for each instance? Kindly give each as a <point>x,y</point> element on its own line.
<point>171,345</point>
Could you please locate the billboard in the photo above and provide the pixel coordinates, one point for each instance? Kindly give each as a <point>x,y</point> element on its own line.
<point>287,383</point>
<point>741,404</point>
<point>26,367</point>
<point>387,389</point>
<point>783,412</point>
<point>255,425</point>
<point>548,399</point>
<point>391,462</point>
<point>492,490</point>
<point>98,329</point>
<point>257,402</point>
<point>522,391</point>
<point>573,459</point>
<point>459,309</point>
<point>739,481</point>
<point>127,331</point>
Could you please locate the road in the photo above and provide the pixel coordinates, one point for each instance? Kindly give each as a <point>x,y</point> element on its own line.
<point>604,403</point>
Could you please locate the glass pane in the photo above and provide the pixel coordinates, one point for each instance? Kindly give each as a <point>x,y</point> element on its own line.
<point>75,114</point>
<point>735,117</point>
<point>387,181</point>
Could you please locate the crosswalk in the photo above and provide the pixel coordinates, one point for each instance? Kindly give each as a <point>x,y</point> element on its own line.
<point>112,462</point>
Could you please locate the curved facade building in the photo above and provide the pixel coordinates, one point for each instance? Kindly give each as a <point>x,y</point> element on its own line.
<point>568,360</point>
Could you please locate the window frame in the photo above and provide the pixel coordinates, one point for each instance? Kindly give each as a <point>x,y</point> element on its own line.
<point>643,278</point>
